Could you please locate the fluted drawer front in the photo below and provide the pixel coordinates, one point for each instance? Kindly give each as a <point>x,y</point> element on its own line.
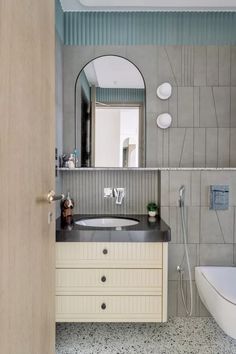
<point>109,281</point>
<point>108,308</point>
<point>111,255</point>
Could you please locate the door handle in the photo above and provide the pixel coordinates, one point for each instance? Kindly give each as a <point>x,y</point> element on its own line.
<point>52,197</point>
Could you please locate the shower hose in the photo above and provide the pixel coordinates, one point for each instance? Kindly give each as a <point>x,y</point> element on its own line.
<point>180,268</point>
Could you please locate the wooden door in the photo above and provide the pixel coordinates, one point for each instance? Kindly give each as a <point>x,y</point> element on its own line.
<point>27,129</point>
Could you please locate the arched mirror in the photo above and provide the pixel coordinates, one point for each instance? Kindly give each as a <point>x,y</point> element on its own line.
<point>110,114</point>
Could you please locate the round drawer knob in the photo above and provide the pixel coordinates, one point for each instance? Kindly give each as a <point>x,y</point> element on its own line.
<point>105,251</point>
<point>103,306</point>
<point>103,279</point>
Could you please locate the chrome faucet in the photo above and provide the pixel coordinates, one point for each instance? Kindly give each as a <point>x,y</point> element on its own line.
<point>119,194</point>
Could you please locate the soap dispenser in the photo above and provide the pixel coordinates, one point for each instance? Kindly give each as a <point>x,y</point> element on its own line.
<point>67,206</point>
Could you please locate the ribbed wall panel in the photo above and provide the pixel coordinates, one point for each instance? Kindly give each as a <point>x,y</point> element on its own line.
<point>59,19</point>
<point>120,95</point>
<point>149,28</point>
<point>87,188</point>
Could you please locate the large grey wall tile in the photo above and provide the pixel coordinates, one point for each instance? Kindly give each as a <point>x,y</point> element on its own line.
<point>181,311</point>
<point>100,50</point>
<point>172,298</point>
<point>175,224</point>
<point>177,179</point>
<point>166,71</point>
<point>217,226</point>
<point>154,144</point>
<point>176,256</point>
<point>173,107</point>
<point>180,147</point>
<point>187,66</point>
<point>208,117</point>
<point>200,308</point>
<point>212,65</point>
<point>199,147</point>
<point>149,69</point>
<point>172,215</point>
<point>76,57</point>
<point>224,65</point>
<point>223,147</point>
<point>211,147</point>
<point>233,107</point>
<point>216,255</point>
<point>222,105</point>
<point>232,147</point>
<point>166,150</point>
<point>177,138</point>
<point>195,188</point>
<point>196,107</point>
<point>203,312</point>
<point>200,66</point>
<point>174,54</point>
<point>165,214</point>
<point>187,149</point>
<point>193,224</point>
<point>234,229</point>
<point>68,127</point>
<point>233,65</point>
<point>185,106</point>
<point>232,195</point>
<point>137,54</point>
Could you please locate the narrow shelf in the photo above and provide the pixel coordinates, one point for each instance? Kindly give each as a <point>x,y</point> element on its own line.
<point>147,169</point>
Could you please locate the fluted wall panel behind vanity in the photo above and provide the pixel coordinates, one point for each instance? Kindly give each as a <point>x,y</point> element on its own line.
<point>87,188</point>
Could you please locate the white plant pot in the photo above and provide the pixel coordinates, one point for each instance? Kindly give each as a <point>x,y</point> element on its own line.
<point>152,213</point>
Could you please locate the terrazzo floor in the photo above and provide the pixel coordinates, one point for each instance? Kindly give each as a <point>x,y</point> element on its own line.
<point>199,335</point>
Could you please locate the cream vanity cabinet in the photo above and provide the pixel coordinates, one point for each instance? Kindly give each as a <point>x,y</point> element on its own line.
<point>111,281</point>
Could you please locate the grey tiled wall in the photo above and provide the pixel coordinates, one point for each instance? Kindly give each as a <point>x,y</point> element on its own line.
<point>203,134</point>
<point>86,187</point>
<point>211,234</point>
<point>203,104</point>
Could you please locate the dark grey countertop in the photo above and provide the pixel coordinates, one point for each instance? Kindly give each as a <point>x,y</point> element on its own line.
<point>147,230</point>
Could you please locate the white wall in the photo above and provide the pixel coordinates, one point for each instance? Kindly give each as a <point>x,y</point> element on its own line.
<point>107,137</point>
<point>129,128</point>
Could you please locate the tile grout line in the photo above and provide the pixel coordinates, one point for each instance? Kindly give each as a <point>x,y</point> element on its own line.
<point>218,219</point>
<point>171,66</point>
<point>182,150</point>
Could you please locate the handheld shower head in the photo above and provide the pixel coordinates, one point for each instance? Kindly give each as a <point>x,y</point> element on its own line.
<point>181,196</point>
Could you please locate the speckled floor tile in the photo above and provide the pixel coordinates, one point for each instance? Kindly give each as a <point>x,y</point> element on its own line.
<point>178,336</point>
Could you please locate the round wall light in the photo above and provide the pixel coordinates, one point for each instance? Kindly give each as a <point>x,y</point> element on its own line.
<point>164,91</point>
<point>164,120</point>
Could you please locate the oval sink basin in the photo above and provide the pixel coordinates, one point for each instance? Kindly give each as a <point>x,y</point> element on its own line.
<point>107,222</point>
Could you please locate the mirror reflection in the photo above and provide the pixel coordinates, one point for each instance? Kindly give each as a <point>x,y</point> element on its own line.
<point>110,114</point>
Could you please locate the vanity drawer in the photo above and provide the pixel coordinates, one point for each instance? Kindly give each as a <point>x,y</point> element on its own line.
<point>108,308</point>
<point>109,281</point>
<point>111,255</point>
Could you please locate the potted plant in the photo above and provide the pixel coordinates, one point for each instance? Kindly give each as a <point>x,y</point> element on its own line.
<point>152,209</point>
